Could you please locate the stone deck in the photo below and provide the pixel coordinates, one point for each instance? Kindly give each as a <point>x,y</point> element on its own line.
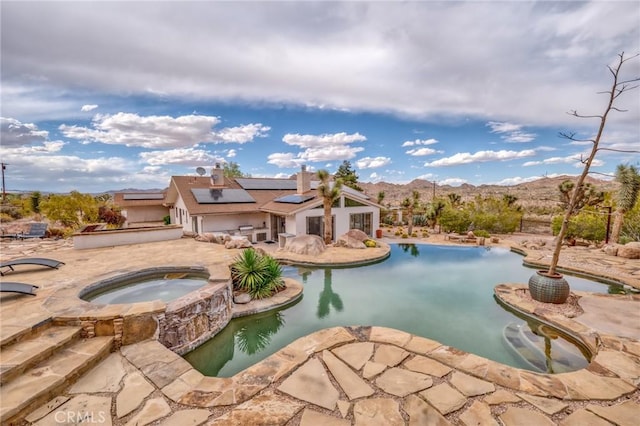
<point>343,375</point>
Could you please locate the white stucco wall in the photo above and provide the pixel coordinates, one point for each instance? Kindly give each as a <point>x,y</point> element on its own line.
<point>232,222</point>
<point>342,216</point>
<point>145,214</point>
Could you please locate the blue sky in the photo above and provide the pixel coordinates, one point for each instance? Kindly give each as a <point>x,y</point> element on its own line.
<point>107,95</point>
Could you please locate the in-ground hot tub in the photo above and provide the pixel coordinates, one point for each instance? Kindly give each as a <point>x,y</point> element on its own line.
<point>180,306</point>
<point>165,284</point>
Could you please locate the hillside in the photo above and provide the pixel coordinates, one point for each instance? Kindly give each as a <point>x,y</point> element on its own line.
<point>539,193</point>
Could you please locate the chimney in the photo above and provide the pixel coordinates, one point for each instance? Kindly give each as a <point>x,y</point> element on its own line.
<point>217,176</point>
<point>303,180</point>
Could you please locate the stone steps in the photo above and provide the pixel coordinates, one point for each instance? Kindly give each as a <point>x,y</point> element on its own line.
<point>24,354</point>
<point>38,384</point>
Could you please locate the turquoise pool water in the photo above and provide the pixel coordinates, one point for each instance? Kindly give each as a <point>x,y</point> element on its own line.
<point>441,292</point>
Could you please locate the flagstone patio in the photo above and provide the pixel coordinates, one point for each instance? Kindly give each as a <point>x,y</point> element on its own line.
<point>357,375</point>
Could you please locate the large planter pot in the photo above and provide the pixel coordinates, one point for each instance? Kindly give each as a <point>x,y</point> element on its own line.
<point>548,289</point>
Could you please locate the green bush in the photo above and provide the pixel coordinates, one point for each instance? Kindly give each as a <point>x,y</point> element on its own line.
<point>167,220</point>
<point>259,275</point>
<point>453,220</point>
<point>586,225</point>
<point>481,233</point>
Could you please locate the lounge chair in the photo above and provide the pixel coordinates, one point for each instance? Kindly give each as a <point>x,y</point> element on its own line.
<point>18,288</point>
<point>42,261</point>
<point>36,230</point>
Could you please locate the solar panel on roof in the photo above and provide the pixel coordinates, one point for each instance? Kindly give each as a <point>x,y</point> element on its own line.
<point>143,196</point>
<point>294,199</point>
<point>278,184</point>
<point>221,196</point>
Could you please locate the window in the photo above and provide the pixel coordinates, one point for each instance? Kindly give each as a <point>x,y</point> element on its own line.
<point>335,205</point>
<point>348,202</point>
<point>315,225</point>
<point>361,221</point>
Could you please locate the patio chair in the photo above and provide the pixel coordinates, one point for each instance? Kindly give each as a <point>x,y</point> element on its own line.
<point>21,288</point>
<point>36,230</point>
<point>42,261</point>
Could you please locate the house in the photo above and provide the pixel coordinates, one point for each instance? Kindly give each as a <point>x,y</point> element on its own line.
<point>141,208</point>
<point>264,208</point>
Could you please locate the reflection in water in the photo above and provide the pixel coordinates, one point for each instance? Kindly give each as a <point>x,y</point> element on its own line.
<point>256,334</point>
<point>249,334</point>
<point>328,297</point>
<point>411,248</point>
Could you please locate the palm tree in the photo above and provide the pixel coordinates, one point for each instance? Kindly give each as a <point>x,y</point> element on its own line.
<point>629,180</point>
<point>329,193</point>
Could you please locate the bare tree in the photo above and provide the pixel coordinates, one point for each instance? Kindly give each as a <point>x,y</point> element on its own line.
<point>618,87</point>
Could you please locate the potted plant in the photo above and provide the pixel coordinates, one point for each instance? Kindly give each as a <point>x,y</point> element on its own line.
<point>549,286</point>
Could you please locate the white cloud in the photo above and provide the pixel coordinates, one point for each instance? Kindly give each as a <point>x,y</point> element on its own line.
<point>232,153</point>
<point>372,163</point>
<point>285,160</point>
<point>418,152</point>
<point>452,181</point>
<point>516,180</point>
<point>241,134</point>
<point>154,131</point>
<point>480,157</point>
<point>419,142</point>
<point>511,132</point>
<point>87,108</point>
<point>427,176</point>
<point>320,141</point>
<point>182,156</point>
<point>318,148</point>
<point>14,133</point>
<point>574,159</point>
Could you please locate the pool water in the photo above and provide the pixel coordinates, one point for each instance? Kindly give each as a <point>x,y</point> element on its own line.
<point>164,288</point>
<point>443,293</point>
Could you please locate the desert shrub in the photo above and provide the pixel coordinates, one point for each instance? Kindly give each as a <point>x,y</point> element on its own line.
<point>453,220</point>
<point>420,220</point>
<point>481,233</point>
<point>425,233</point>
<point>587,225</point>
<point>370,243</point>
<point>11,211</point>
<point>405,235</point>
<point>166,220</point>
<point>631,225</point>
<point>259,275</point>
<point>4,217</point>
<point>111,216</point>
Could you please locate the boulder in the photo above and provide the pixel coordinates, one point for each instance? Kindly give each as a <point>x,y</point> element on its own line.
<point>311,245</point>
<point>207,237</point>
<point>630,250</point>
<point>349,242</point>
<point>357,235</point>
<point>611,250</point>
<point>238,243</point>
<point>241,298</point>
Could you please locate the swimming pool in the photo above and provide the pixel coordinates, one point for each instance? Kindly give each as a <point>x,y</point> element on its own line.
<point>444,293</point>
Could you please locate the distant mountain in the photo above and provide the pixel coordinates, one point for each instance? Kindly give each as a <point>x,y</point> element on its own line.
<point>541,192</point>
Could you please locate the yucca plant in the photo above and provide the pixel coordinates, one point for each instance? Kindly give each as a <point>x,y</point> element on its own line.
<point>259,275</point>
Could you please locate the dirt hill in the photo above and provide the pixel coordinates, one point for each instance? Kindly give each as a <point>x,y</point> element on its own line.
<point>536,195</point>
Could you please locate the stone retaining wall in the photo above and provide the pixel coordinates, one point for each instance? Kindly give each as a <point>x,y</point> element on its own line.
<point>191,320</point>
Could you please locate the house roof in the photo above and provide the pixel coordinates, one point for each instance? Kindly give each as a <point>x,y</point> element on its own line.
<point>246,195</point>
<point>139,199</point>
